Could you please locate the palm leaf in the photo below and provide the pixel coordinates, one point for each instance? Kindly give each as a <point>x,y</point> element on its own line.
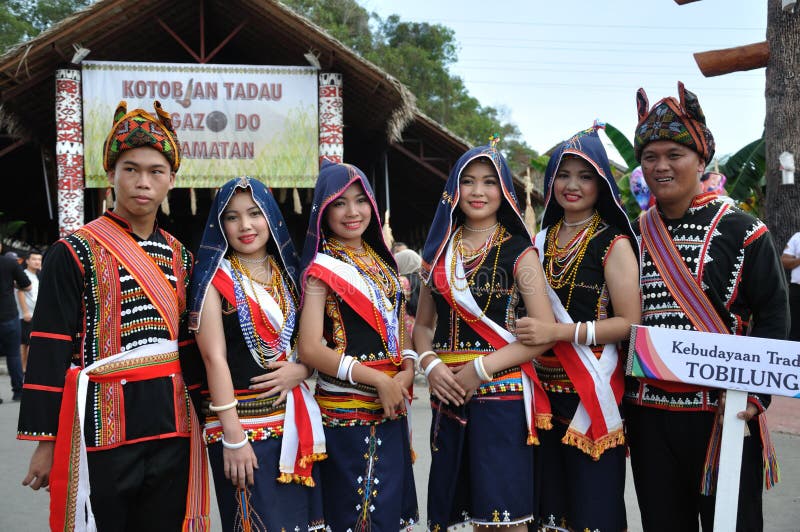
<point>628,200</point>
<point>623,146</point>
<point>745,170</point>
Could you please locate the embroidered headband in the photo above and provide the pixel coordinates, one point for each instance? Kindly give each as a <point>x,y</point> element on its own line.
<point>680,121</point>
<point>139,128</point>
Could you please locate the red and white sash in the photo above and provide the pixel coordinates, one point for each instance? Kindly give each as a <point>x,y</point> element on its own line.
<point>460,298</point>
<point>223,282</point>
<point>303,439</point>
<point>70,503</point>
<point>597,424</point>
<point>348,284</point>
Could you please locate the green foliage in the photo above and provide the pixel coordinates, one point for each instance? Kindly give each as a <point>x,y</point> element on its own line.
<point>23,19</point>
<point>419,54</point>
<point>745,170</point>
<point>10,227</point>
<point>623,146</point>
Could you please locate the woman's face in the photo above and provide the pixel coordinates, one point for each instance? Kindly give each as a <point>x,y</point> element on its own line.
<point>348,216</point>
<point>575,187</point>
<point>479,193</point>
<point>245,225</point>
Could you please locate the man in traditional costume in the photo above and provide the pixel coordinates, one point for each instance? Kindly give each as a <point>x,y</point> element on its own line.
<point>104,395</point>
<point>706,266</point>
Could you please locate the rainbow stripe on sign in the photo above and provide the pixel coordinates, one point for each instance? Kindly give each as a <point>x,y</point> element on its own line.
<point>643,360</point>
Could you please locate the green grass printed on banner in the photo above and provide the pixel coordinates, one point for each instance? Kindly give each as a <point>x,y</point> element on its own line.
<point>289,159</point>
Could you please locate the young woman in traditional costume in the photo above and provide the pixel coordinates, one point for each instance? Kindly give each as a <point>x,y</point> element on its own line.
<point>263,427</point>
<point>480,272</point>
<point>589,254</point>
<point>351,331</point>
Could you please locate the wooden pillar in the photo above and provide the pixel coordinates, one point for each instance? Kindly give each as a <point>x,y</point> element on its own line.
<point>69,150</point>
<point>331,117</point>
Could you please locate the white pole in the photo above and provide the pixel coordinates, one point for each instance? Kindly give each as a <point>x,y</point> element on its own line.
<point>730,462</point>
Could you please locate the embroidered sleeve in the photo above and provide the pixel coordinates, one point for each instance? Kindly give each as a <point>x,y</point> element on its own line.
<point>54,330</point>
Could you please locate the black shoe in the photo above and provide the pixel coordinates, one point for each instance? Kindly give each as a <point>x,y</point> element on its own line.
<point>1,400</point>
<point>17,397</point>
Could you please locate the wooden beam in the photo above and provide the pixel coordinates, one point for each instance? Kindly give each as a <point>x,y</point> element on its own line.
<point>682,2</point>
<point>738,59</point>
<point>411,155</point>
<point>12,147</point>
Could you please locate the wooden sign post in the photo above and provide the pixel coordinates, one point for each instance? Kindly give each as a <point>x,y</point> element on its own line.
<point>738,364</point>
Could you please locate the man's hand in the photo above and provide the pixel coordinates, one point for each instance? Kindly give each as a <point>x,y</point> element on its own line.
<point>41,464</point>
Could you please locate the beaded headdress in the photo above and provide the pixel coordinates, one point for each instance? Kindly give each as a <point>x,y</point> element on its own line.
<point>680,121</point>
<point>214,245</point>
<point>139,128</point>
<point>587,145</point>
<point>333,180</point>
<point>447,214</point>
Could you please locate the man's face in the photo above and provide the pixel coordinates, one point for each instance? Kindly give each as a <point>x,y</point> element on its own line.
<point>672,171</point>
<point>35,262</point>
<point>141,179</point>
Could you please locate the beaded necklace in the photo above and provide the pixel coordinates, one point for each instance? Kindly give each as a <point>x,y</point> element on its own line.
<point>470,270</point>
<point>384,289</point>
<point>282,292</point>
<point>563,262</point>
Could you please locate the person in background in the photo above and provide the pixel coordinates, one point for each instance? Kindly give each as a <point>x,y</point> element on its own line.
<point>12,277</point>
<point>408,266</point>
<point>26,302</point>
<point>791,261</point>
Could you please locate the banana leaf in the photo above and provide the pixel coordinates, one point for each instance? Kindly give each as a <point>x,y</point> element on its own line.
<point>623,146</point>
<point>628,200</point>
<point>745,170</point>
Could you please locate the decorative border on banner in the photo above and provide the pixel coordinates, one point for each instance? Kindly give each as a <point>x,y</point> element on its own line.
<point>225,69</point>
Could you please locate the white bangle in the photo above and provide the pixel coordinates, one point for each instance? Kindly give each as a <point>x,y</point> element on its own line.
<point>480,369</point>
<point>422,356</point>
<point>590,338</point>
<point>436,362</point>
<point>410,353</point>
<point>237,445</point>
<point>344,366</point>
<point>214,408</point>
<point>350,371</point>
<point>577,332</point>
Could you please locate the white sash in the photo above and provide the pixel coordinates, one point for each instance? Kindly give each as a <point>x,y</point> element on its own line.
<point>463,297</point>
<point>600,370</point>
<point>83,504</point>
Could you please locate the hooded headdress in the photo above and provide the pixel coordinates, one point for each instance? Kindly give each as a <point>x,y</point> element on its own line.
<point>448,216</point>
<point>333,180</point>
<point>680,121</point>
<point>139,128</point>
<point>214,245</point>
<point>587,145</point>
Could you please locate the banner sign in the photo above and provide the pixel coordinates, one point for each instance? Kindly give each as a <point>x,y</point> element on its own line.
<point>231,120</point>
<point>726,361</point>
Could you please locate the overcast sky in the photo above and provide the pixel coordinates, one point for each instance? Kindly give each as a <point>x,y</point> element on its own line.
<point>556,66</point>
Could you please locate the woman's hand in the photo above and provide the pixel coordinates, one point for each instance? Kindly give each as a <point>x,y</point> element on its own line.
<point>533,331</point>
<point>239,463</point>
<point>468,379</point>
<point>405,377</point>
<point>391,395</point>
<point>444,386</point>
<point>282,377</point>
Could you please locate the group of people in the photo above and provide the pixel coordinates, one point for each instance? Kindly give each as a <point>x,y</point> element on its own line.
<point>142,358</point>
